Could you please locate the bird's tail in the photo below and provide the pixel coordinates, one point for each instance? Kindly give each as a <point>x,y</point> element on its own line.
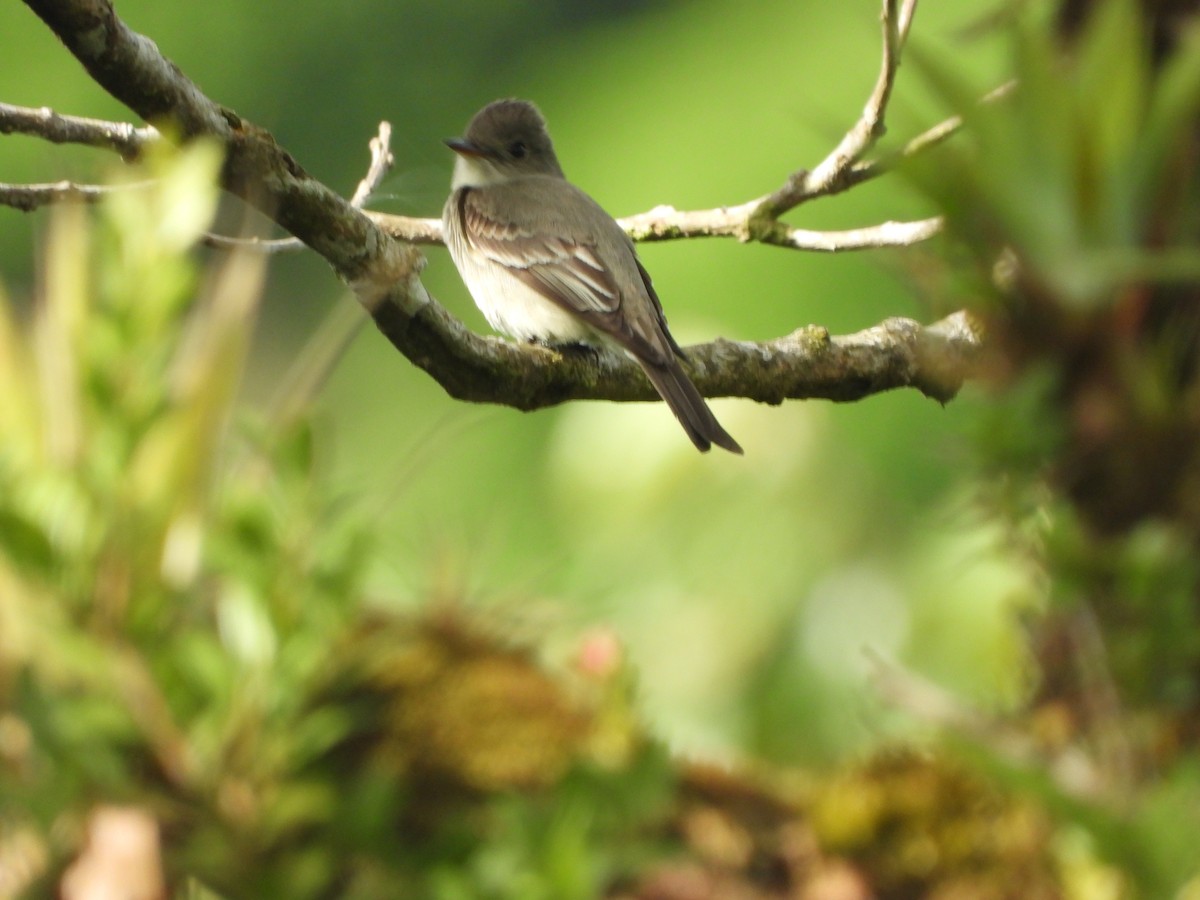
<point>689,407</point>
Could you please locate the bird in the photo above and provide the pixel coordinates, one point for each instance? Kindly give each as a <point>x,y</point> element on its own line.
<point>545,263</point>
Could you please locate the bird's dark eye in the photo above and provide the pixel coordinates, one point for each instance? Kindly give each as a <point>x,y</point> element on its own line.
<point>518,150</point>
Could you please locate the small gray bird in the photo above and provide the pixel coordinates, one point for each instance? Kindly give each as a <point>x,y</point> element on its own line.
<point>546,263</point>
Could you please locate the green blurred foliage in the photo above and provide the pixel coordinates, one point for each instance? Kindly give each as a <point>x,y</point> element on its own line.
<point>184,625</point>
<point>1074,236</point>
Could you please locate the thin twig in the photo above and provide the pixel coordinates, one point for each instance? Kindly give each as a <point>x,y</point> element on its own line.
<point>826,177</point>
<point>665,223</point>
<point>870,125</point>
<point>28,197</point>
<point>926,140</point>
<point>127,140</point>
<point>268,246</point>
<point>381,163</point>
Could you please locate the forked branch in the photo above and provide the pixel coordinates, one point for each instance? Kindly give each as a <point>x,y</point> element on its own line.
<point>376,256</point>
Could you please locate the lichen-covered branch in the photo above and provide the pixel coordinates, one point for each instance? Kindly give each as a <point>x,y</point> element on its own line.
<point>384,271</point>
<point>809,363</point>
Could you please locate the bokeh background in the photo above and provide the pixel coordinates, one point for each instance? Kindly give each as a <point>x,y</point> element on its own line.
<point>748,592</point>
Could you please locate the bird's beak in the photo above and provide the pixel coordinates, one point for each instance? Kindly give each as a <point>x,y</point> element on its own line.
<point>463,147</point>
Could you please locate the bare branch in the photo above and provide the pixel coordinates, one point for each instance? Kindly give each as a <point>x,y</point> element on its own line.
<point>381,162</point>
<point>130,142</point>
<point>268,246</point>
<point>131,68</point>
<point>904,23</point>
<point>828,177</point>
<point>665,223</point>
<point>427,232</point>
<point>28,197</point>
<point>758,220</point>
<point>659,224</point>
<point>931,137</point>
<point>48,125</point>
<point>870,125</point>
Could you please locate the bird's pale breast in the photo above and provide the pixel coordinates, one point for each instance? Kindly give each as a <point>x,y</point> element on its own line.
<point>512,307</point>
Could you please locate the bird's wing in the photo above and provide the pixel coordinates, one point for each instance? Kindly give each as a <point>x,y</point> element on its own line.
<point>659,315</point>
<point>563,267</point>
